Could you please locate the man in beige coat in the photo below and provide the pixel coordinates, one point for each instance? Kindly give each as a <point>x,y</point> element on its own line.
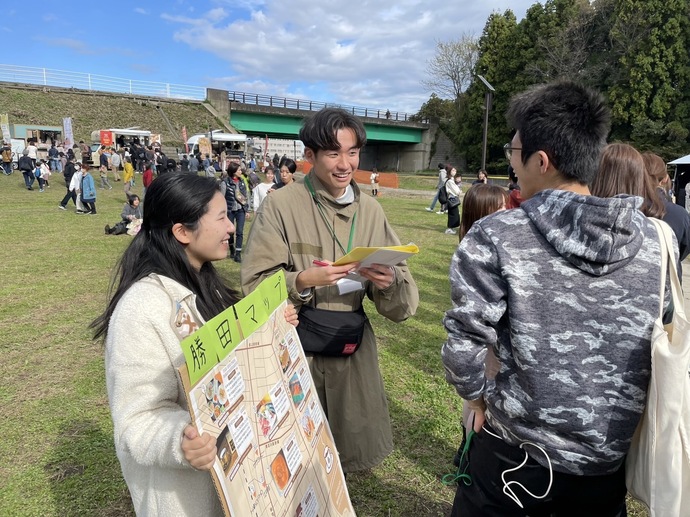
<point>321,219</point>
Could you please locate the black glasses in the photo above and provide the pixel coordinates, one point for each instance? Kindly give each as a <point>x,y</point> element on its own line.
<point>509,150</point>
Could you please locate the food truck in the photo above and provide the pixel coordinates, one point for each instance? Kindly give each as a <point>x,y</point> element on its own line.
<point>118,138</point>
<point>234,144</point>
<point>42,137</point>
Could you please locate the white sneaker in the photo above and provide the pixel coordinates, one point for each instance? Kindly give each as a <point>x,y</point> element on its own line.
<point>450,231</point>
<point>440,212</point>
<point>428,209</point>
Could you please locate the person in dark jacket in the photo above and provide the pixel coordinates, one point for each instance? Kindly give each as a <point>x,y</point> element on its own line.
<point>237,200</point>
<point>67,173</point>
<point>676,216</point>
<point>26,165</point>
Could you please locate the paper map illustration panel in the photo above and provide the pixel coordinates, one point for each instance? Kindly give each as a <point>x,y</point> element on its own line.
<point>276,454</point>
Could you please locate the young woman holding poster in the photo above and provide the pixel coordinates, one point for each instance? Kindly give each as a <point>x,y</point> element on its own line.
<point>165,288</point>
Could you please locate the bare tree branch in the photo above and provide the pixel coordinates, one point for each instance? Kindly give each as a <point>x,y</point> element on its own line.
<point>451,70</point>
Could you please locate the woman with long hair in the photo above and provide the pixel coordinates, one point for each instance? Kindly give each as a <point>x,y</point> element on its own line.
<point>164,288</point>
<point>237,198</point>
<point>656,168</point>
<point>676,216</point>
<point>480,201</point>
<point>453,191</point>
<point>622,171</point>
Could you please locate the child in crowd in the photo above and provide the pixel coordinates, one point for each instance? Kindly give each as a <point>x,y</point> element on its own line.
<point>374,180</point>
<point>128,176</point>
<point>42,173</point>
<point>146,178</point>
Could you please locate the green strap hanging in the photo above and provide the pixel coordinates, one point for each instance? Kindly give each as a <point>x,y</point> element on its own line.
<point>461,473</point>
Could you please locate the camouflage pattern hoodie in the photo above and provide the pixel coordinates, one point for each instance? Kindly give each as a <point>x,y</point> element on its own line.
<point>566,291</point>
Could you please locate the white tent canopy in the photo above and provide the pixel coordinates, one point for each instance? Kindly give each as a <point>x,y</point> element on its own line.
<point>684,160</point>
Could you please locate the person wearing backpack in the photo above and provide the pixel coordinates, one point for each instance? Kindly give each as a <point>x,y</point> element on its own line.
<point>442,195</point>
<point>452,191</point>
<point>42,174</point>
<point>6,159</point>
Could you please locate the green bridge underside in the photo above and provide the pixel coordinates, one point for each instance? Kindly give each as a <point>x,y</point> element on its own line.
<point>279,126</point>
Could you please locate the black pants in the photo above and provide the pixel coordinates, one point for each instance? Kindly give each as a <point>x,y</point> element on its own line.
<point>90,206</point>
<point>570,495</point>
<point>70,195</point>
<point>453,216</point>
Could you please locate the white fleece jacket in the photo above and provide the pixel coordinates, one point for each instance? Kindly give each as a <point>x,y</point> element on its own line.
<point>147,400</point>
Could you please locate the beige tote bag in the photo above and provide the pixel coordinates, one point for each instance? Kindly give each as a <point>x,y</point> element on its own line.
<point>657,469</point>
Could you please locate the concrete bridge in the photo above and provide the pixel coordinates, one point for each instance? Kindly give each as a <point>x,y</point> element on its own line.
<point>394,142</point>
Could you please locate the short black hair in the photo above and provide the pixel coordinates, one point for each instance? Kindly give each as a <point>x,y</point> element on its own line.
<point>320,131</point>
<point>290,164</point>
<point>567,121</point>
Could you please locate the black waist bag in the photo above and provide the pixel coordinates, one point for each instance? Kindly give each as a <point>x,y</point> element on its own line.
<point>332,333</point>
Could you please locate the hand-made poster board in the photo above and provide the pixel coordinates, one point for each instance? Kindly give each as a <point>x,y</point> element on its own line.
<point>248,385</point>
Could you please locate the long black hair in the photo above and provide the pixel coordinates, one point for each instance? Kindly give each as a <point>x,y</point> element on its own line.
<point>170,199</point>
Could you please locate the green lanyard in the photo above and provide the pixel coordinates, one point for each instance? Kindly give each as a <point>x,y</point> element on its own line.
<point>328,225</point>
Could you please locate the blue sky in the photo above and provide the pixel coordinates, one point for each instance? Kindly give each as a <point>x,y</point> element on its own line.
<point>355,52</point>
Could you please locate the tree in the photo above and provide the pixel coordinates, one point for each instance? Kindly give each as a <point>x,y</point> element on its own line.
<point>500,61</point>
<point>450,71</point>
<point>636,52</point>
<point>435,108</point>
<point>564,42</point>
<point>654,68</point>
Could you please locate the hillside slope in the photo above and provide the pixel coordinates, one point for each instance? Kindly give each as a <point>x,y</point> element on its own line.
<point>98,110</point>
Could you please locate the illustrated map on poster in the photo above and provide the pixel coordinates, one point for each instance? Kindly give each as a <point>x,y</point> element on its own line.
<point>248,385</point>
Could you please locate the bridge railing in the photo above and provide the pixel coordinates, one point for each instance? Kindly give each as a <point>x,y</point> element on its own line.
<point>309,105</point>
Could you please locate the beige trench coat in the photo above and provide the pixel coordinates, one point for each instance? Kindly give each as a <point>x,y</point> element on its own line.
<point>289,233</point>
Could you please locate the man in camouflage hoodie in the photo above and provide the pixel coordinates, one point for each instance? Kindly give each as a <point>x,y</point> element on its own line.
<point>565,290</point>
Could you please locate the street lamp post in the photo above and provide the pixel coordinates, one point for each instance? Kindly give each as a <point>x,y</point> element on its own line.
<point>487,107</point>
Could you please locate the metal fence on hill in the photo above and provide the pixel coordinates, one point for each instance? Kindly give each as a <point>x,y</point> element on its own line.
<point>92,82</point>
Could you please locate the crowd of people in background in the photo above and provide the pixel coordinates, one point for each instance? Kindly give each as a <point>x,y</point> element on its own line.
<point>244,183</point>
<point>259,176</point>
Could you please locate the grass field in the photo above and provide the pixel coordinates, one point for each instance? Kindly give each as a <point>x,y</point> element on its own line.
<point>57,455</point>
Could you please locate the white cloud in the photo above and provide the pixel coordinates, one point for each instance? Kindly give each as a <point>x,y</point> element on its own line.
<point>141,10</point>
<point>78,46</point>
<point>358,52</point>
